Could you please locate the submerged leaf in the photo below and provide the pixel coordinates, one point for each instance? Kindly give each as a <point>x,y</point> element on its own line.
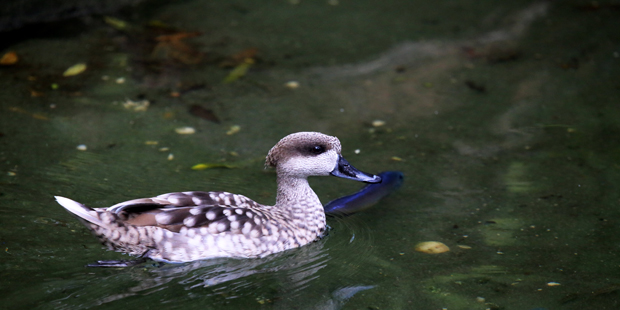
<point>172,46</point>
<point>75,69</point>
<point>233,130</point>
<point>239,71</point>
<point>212,165</point>
<point>115,22</point>
<point>185,130</point>
<point>203,113</point>
<point>431,247</point>
<point>9,58</point>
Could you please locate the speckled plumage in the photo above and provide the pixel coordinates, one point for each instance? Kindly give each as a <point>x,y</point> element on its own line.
<point>187,226</point>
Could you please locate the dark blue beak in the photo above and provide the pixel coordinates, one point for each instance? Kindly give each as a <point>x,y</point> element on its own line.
<point>344,170</point>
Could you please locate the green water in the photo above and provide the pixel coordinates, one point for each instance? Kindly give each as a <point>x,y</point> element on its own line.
<point>504,118</point>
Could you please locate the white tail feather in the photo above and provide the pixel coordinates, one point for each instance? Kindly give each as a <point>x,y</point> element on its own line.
<point>79,209</point>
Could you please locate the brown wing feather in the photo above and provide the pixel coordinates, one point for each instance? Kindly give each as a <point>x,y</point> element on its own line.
<point>219,212</point>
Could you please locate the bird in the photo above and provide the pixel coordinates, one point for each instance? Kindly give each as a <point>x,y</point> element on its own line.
<point>194,225</point>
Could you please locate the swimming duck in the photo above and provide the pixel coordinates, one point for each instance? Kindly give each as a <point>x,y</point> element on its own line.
<point>188,226</point>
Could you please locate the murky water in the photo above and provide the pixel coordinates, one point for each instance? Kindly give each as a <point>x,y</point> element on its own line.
<point>504,118</point>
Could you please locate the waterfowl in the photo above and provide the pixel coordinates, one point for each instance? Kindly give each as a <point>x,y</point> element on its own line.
<point>194,225</point>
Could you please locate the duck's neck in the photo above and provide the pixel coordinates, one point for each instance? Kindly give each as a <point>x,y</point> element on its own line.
<point>296,198</point>
<point>295,192</point>
<point>301,208</point>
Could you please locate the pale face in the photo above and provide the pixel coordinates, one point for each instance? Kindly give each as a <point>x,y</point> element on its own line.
<point>305,154</point>
<point>305,165</point>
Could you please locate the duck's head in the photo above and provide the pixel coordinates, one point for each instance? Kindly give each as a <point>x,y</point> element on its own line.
<point>305,154</point>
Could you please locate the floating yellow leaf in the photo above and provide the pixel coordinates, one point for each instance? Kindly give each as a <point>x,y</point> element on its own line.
<point>138,106</point>
<point>239,71</point>
<point>233,130</point>
<point>185,130</point>
<point>378,123</point>
<point>211,166</point>
<point>75,69</point>
<point>115,22</point>
<point>292,84</point>
<point>431,247</point>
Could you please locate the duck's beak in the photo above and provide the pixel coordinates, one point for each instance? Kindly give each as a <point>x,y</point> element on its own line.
<point>345,170</point>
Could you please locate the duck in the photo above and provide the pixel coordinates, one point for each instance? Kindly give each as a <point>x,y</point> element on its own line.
<point>194,225</point>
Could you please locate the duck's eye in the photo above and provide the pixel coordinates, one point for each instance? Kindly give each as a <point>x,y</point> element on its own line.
<point>316,149</point>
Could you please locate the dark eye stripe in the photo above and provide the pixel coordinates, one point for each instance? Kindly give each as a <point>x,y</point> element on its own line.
<point>317,149</point>
<point>313,149</point>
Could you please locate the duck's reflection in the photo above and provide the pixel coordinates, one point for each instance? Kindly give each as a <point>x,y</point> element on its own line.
<point>294,269</point>
<point>280,279</point>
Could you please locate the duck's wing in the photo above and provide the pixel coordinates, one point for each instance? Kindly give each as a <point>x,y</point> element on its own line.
<point>182,200</point>
<point>217,212</point>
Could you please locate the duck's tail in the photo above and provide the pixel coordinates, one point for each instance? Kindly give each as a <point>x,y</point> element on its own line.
<point>83,212</point>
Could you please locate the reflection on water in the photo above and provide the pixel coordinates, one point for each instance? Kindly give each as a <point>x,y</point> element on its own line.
<point>228,277</point>
<point>277,279</point>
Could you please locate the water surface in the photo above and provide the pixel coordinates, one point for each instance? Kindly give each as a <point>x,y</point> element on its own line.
<point>502,116</point>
